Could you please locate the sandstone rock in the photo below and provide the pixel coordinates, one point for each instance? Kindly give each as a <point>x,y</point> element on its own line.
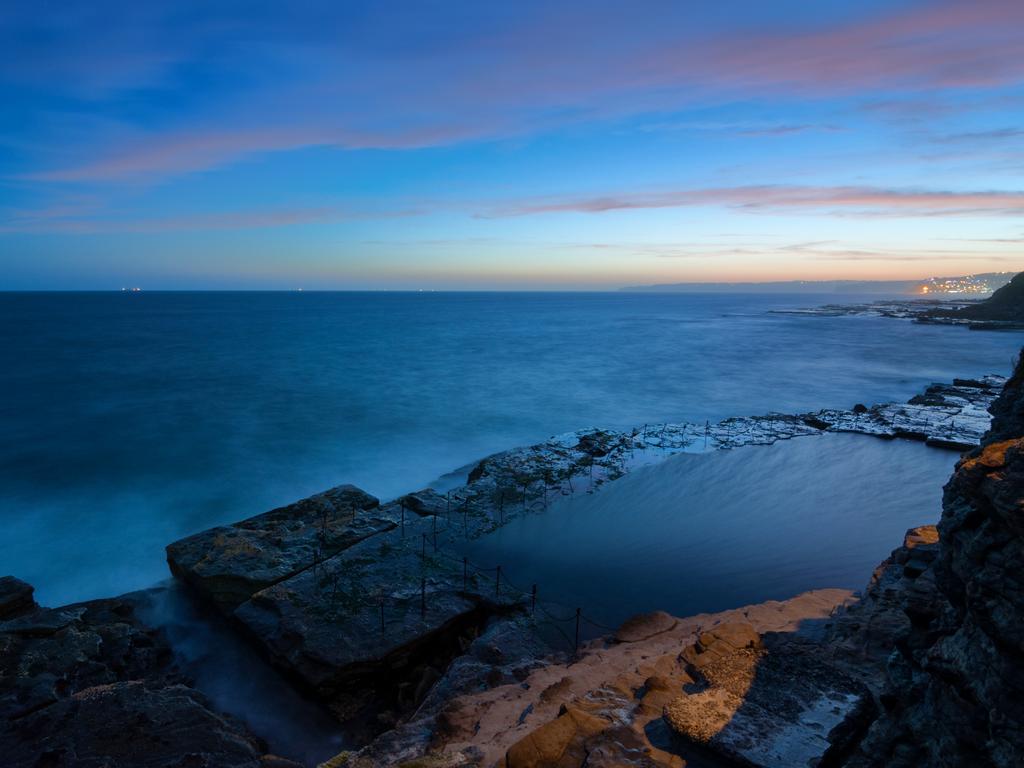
<point>595,731</point>
<point>923,535</point>
<point>724,640</point>
<point>15,598</point>
<point>776,704</point>
<point>644,626</point>
<point>231,563</point>
<point>557,744</point>
<point>504,653</point>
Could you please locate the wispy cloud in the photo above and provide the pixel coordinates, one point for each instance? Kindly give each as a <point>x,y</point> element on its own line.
<point>520,74</point>
<point>75,221</point>
<point>739,128</point>
<point>841,200</point>
<point>201,150</point>
<point>997,134</point>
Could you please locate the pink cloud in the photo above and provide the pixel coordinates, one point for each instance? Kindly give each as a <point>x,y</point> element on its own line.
<point>71,221</point>
<point>843,200</point>
<point>935,45</point>
<point>547,71</point>
<point>196,151</point>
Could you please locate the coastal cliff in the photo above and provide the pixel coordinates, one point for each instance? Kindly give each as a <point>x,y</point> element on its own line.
<point>429,661</point>
<point>955,692</point>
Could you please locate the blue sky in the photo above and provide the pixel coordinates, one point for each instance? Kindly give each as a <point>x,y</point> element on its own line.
<point>507,145</point>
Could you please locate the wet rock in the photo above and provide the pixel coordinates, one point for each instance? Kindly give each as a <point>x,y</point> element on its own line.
<point>15,598</point>
<point>977,383</point>
<point>598,443</point>
<point>945,416</point>
<point>230,563</point>
<point>90,684</point>
<point>425,502</point>
<point>50,654</point>
<point>816,423</point>
<point>128,724</point>
<point>364,629</point>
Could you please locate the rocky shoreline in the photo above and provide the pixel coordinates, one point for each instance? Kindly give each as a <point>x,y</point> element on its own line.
<point>367,608</point>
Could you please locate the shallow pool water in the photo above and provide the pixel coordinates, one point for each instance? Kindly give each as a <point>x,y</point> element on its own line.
<point>712,531</point>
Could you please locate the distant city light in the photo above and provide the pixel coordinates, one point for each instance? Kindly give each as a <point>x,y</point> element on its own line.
<point>972,284</point>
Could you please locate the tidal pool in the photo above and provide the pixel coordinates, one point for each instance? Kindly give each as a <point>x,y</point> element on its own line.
<point>711,531</point>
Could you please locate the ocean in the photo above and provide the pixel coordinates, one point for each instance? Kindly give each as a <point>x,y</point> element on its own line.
<point>132,419</point>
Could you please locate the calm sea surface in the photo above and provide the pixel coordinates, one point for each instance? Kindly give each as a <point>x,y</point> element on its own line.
<point>129,420</point>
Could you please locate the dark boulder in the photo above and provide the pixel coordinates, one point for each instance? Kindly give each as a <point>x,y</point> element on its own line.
<point>15,598</point>
<point>129,724</point>
<point>231,563</point>
<point>90,685</point>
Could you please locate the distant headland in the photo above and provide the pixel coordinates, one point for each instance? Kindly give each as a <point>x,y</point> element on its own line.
<point>980,284</point>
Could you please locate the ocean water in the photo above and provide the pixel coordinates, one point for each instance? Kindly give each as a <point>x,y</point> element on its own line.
<point>130,420</point>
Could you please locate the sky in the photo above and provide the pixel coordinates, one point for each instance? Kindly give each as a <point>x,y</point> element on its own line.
<point>526,145</point>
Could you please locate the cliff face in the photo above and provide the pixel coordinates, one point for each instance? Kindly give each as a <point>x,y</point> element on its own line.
<point>955,694</point>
